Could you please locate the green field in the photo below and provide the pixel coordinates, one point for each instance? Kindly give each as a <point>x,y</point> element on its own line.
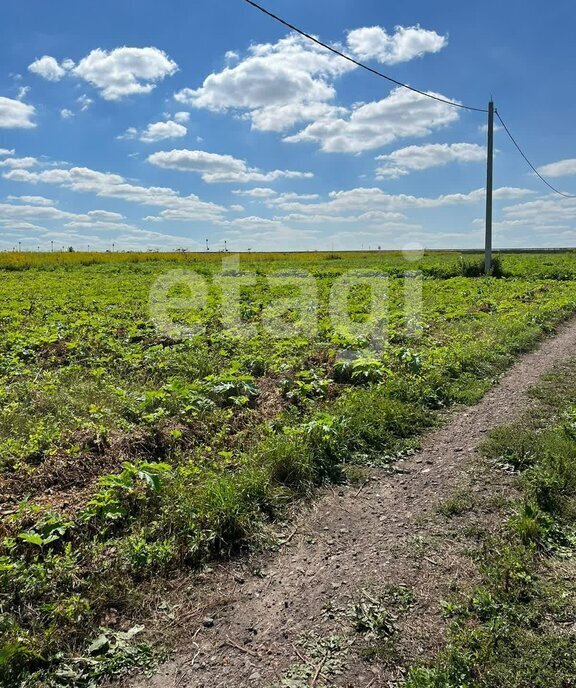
<point>128,453</point>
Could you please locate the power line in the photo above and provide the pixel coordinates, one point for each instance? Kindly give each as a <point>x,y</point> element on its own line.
<point>528,161</point>
<point>356,62</point>
<point>344,56</point>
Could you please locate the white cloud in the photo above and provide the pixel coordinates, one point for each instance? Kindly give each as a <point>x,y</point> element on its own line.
<point>406,43</point>
<point>84,102</point>
<point>365,200</point>
<point>404,160</point>
<point>99,224</point>
<point>157,131</point>
<point>19,226</point>
<point>218,168</point>
<point>130,133</point>
<point>283,117</point>
<point>65,113</point>
<point>16,115</point>
<point>107,185</point>
<point>252,222</point>
<point>19,163</point>
<point>374,217</point>
<point>289,197</point>
<point>33,212</point>
<point>39,208</point>
<point>562,168</point>
<point>288,74</point>
<point>6,151</point>
<point>125,71</point>
<point>48,68</point>
<point>258,192</point>
<point>23,91</point>
<point>105,215</point>
<point>542,211</point>
<point>182,117</point>
<point>116,73</point>
<point>401,114</point>
<point>291,82</point>
<point>32,200</point>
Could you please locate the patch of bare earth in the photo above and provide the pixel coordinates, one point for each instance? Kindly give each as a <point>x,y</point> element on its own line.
<point>243,623</point>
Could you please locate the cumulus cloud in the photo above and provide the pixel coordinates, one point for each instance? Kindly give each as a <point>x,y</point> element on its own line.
<point>116,73</point>
<point>284,117</point>
<point>157,131</point>
<point>16,115</point>
<point>401,114</point>
<point>6,151</point>
<point>290,74</point>
<point>562,168</point>
<point>125,71</point>
<point>405,44</point>
<point>19,226</point>
<point>279,86</point>
<point>365,200</point>
<point>416,158</point>
<point>33,212</point>
<point>19,163</point>
<point>542,211</point>
<point>48,68</point>
<point>182,117</point>
<point>65,113</point>
<point>107,185</point>
<point>218,168</point>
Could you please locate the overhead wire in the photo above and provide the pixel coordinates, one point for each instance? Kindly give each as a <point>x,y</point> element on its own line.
<point>376,72</point>
<point>528,161</point>
<point>334,50</point>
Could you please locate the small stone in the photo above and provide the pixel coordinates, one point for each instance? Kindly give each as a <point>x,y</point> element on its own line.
<point>207,622</point>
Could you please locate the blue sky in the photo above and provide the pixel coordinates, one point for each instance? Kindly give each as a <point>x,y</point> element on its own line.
<point>156,126</point>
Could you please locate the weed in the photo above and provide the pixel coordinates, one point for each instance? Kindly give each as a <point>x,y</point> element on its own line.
<point>126,453</point>
<point>509,631</point>
<point>457,504</point>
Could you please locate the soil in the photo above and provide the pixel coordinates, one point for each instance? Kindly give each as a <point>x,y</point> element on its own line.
<point>248,622</point>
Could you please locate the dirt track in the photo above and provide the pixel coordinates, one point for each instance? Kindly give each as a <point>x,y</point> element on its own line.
<point>386,532</point>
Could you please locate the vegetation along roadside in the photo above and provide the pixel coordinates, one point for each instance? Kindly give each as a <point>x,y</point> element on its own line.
<point>127,455</point>
<point>516,627</point>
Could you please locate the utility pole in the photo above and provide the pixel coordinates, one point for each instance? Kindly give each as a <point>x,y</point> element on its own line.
<point>489,188</point>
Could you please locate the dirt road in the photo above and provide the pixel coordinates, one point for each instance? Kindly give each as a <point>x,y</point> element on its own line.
<point>257,623</point>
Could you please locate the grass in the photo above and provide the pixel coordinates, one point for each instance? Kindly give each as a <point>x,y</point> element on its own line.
<point>163,453</point>
<point>516,628</point>
<point>456,505</point>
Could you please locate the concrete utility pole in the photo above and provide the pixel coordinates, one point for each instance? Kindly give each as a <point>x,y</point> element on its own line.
<point>489,189</point>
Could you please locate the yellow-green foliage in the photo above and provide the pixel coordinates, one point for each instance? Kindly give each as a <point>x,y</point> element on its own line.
<point>176,451</point>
